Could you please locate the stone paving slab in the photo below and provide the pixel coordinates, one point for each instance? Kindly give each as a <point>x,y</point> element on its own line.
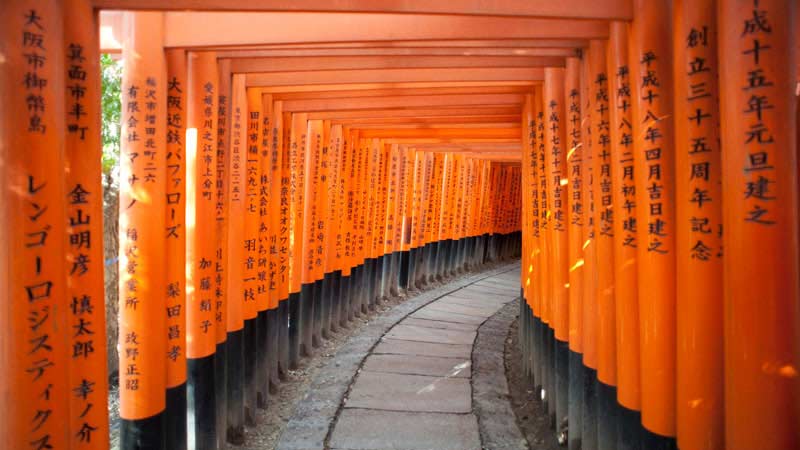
<point>484,291</point>
<point>447,316</point>
<point>419,365</point>
<point>423,334</point>
<point>399,347</point>
<point>461,309</point>
<point>440,324</point>
<point>359,429</point>
<point>479,303</point>
<point>394,392</point>
<point>482,295</point>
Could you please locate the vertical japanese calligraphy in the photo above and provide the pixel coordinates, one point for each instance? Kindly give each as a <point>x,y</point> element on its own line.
<point>758,72</point>
<point>651,88</point>
<point>698,228</point>
<point>85,288</point>
<point>142,322</point>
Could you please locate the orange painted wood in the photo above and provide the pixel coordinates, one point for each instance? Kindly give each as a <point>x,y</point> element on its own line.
<point>142,323</point>
<point>575,200</point>
<point>201,179</point>
<point>700,394</point>
<point>35,349</point>
<point>297,162</point>
<point>85,287</point>
<point>237,205</point>
<point>758,73</point>
<point>602,213</point>
<point>557,204</point>
<point>589,246</point>
<point>654,153</point>
<point>577,8</point>
<point>175,217</point>
<point>622,172</point>
<point>277,280</point>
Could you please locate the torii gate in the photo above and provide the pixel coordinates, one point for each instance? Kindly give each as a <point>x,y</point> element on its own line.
<point>285,165</point>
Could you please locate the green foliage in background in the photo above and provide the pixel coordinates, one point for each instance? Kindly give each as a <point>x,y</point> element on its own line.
<point>111,100</point>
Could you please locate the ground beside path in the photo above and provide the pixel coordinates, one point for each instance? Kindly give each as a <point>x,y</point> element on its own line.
<point>406,381</point>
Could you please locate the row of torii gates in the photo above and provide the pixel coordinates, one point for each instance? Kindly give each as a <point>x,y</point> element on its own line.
<point>285,165</point>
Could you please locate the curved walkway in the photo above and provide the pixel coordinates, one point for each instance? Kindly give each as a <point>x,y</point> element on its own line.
<point>406,381</point>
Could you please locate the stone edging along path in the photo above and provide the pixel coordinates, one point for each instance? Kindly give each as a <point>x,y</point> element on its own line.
<point>490,402</point>
<point>312,421</point>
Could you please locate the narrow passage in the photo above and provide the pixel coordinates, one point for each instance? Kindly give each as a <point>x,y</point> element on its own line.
<point>414,390</point>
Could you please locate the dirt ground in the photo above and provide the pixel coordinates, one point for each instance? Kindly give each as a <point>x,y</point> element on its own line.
<point>531,415</point>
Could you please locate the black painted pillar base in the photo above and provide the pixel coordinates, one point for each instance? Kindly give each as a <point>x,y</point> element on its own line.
<point>316,313</point>
<point>272,349</point>
<point>606,416</point>
<point>306,318</point>
<point>201,403</point>
<point>143,434</point>
<point>403,274</point>
<point>562,382</point>
<point>589,423</point>
<point>653,441</point>
<point>235,387</point>
<point>220,388</point>
<point>283,339</point>
<point>294,334</point>
<point>250,368</point>
<point>575,400</point>
<point>344,297</point>
<point>629,429</point>
<point>261,379</point>
<point>175,417</point>
<point>335,301</point>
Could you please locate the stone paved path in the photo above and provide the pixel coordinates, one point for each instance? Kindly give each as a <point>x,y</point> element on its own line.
<point>414,390</point>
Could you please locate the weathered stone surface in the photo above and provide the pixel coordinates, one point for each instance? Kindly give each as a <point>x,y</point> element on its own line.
<point>419,365</point>
<point>393,392</point>
<point>423,334</point>
<point>400,347</point>
<point>440,324</point>
<point>447,316</point>
<point>391,430</point>
<point>461,309</point>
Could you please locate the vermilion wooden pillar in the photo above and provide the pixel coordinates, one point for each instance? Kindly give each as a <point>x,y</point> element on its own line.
<point>576,217</point>
<point>589,247</point>
<point>175,248</point>
<point>35,345</point>
<point>201,247</point>
<point>221,262</point>
<point>85,288</point>
<point>237,207</point>
<point>758,75</point>
<point>602,215</point>
<point>557,173</point>
<point>698,228</point>
<point>625,269</point>
<point>654,153</point>
<point>142,327</point>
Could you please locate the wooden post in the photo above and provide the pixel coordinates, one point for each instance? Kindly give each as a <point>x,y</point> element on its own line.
<point>576,218</point>
<point>758,72</point>
<point>698,229</point>
<point>142,330</point>
<point>201,246</point>
<point>35,348</point>
<point>654,155</point>
<point>556,173</point>
<point>175,248</point>
<point>625,269</point>
<point>85,287</point>
<point>235,286</point>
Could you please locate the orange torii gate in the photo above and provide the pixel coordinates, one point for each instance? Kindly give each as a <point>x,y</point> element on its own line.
<point>285,167</point>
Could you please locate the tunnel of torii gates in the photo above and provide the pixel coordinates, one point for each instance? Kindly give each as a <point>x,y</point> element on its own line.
<point>285,165</point>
